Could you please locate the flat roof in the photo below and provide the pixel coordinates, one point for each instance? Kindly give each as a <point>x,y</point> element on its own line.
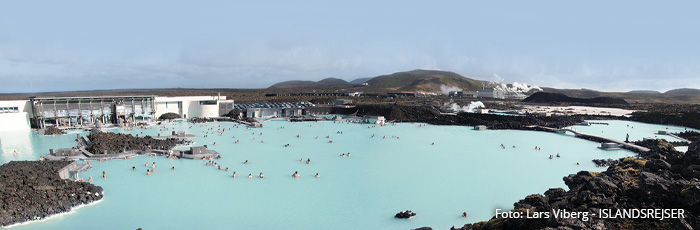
<point>95,97</point>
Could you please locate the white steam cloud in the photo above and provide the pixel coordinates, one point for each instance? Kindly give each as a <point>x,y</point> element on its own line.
<point>514,90</point>
<point>447,89</point>
<point>470,108</point>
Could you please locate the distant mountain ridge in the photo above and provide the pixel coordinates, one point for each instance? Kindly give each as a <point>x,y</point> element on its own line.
<point>424,80</point>
<point>414,80</point>
<point>310,84</point>
<point>683,91</point>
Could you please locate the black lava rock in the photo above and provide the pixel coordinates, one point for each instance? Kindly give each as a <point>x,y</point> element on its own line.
<point>405,214</point>
<point>31,190</point>
<point>116,143</point>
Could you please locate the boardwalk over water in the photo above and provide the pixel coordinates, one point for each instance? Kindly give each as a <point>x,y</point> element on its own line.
<point>630,146</point>
<point>679,138</point>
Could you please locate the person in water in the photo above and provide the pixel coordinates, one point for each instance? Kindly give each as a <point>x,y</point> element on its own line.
<point>296,174</point>
<point>235,175</point>
<point>104,174</point>
<point>317,175</point>
<point>133,168</point>
<point>261,176</point>
<point>464,214</point>
<point>148,172</point>
<point>308,161</point>
<point>173,168</point>
<point>90,179</point>
<point>246,162</point>
<point>250,175</point>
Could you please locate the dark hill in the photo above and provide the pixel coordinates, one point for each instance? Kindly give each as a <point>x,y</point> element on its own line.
<point>310,84</point>
<point>683,91</point>
<point>333,81</point>
<point>423,80</point>
<point>543,97</point>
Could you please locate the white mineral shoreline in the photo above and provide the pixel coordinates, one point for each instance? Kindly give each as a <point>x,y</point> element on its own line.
<point>72,210</point>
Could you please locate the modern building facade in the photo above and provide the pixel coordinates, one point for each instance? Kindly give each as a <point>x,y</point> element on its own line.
<point>81,111</point>
<point>194,106</point>
<point>42,112</point>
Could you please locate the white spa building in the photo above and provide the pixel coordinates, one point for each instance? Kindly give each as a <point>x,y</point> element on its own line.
<point>42,112</point>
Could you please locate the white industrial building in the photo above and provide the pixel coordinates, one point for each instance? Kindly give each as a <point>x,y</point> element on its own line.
<point>491,93</point>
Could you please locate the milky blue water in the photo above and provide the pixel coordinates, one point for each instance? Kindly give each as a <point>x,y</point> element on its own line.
<point>638,131</point>
<point>464,171</point>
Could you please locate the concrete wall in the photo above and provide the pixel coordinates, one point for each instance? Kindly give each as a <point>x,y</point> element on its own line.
<point>64,172</point>
<point>264,113</point>
<point>189,106</point>
<point>197,110</point>
<point>490,93</point>
<point>18,120</point>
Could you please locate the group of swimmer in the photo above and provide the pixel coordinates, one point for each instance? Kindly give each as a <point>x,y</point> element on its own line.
<point>536,148</point>
<point>210,130</point>
<point>213,163</point>
<point>296,175</point>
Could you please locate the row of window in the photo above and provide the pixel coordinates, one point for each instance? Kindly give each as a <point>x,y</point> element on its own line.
<point>9,110</point>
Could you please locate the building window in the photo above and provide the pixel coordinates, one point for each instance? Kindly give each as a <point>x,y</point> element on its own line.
<point>9,109</point>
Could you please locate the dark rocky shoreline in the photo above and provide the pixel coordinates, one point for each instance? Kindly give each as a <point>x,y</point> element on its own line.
<point>32,190</point>
<point>430,115</point>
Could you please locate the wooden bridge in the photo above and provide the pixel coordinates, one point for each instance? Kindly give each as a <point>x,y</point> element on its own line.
<point>622,144</point>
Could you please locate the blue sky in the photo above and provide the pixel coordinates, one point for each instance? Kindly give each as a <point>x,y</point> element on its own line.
<point>601,45</point>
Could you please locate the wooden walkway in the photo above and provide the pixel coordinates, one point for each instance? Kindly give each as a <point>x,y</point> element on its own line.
<point>680,138</point>
<point>600,139</point>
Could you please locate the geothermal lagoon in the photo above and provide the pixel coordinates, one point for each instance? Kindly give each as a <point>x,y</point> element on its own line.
<point>391,168</point>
